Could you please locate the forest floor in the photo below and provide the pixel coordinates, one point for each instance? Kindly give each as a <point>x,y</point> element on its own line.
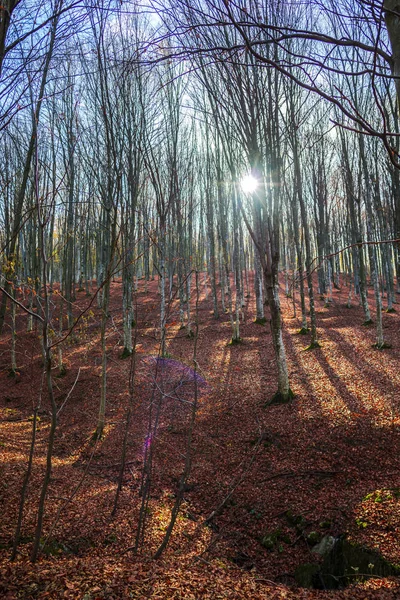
<point>328,463</point>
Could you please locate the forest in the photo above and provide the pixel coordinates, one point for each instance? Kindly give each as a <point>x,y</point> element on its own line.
<point>199,279</point>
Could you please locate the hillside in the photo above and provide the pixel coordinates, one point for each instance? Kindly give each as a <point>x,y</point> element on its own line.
<point>280,477</point>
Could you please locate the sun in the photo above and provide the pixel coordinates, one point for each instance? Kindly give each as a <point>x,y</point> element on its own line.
<point>249,184</point>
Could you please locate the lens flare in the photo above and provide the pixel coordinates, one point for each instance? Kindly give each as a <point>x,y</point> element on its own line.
<point>249,184</point>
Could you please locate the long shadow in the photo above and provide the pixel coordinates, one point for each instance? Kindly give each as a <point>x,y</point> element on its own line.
<point>297,372</point>
<point>350,399</point>
<point>370,373</point>
<point>336,317</point>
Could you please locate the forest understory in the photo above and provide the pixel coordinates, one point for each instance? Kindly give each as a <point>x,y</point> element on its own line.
<point>280,477</point>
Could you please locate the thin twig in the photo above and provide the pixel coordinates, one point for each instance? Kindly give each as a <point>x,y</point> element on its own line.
<point>69,393</point>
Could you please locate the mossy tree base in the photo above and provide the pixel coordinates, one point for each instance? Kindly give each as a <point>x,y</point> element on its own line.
<point>260,321</point>
<point>280,398</point>
<point>190,335</point>
<point>97,435</point>
<point>62,371</point>
<point>235,341</point>
<point>313,346</point>
<point>303,331</point>
<point>383,346</point>
<point>368,323</point>
<point>391,310</point>
<point>126,353</point>
<point>12,373</point>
